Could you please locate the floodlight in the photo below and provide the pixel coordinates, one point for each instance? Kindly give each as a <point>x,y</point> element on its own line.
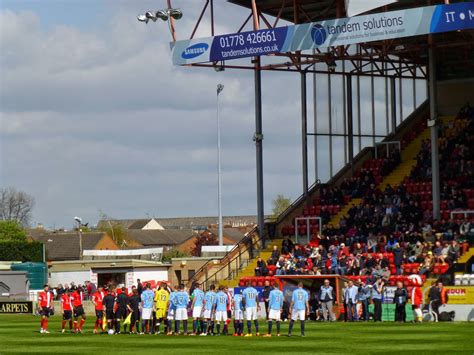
<point>175,13</point>
<point>162,14</point>
<point>150,15</point>
<point>142,18</point>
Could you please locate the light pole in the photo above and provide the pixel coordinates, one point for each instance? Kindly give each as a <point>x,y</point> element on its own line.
<point>220,87</point>
<point>79,231</point>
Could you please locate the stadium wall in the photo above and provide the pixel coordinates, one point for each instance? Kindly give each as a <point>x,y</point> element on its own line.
<point>453,94</point>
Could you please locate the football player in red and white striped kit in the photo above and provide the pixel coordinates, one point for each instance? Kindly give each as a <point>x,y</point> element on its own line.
<point>66,308</point>
<point>46,308</point>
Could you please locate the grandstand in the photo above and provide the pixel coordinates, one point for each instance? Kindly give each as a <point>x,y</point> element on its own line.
<point>404,198</point>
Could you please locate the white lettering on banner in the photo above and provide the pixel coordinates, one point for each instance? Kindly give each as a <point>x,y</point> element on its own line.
<point>450,16</point>
<point>471,15</point>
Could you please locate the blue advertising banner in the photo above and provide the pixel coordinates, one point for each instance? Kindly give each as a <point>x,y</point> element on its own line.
<point>324,34</point>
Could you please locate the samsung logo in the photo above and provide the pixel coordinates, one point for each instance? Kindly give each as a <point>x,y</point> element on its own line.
<point>195,50</point>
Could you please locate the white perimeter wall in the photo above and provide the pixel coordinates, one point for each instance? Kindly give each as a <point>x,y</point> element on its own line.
<point>146,274</point>
<point>66,277</point>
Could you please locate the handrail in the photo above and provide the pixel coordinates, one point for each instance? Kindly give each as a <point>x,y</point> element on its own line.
<point>244,240</point>
<point>228,263</point>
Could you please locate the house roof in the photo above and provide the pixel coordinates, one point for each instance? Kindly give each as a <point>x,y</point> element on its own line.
<point>65,246</point>
<point>232,233</point>
<point>160,237</point>
<point>193,222</point>
<point>125,223</point>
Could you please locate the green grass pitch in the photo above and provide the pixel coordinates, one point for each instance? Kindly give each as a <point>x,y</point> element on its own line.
<point>20,334</point>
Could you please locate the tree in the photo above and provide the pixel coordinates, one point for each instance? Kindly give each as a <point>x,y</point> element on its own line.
<point>173,253</point>
<point>12,231</point>
<point>16,205</point>
<point>280,204</point>
<point>115,230</point>
<point>203,239</point>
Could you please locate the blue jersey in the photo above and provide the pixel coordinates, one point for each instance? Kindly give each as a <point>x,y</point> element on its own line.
<point>181,299</point>
<point>222,300</point>
<point>275,300</point>
<point>198,297</point>
<point>210,299</point>
<point>299,299</point>
<point>172,301</point>
<point>250,297</point>
<point>238,306</point>
<point>148,298</point>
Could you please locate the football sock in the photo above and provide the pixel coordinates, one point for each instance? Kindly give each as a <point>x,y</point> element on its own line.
<point>204,326</point>
<point>42,323</point>
<point>235,327</point>
<point>302,327</point>
<point>256,325</point>
<point>143,325</point>
<point>241,327</point>
<point>218,328</point>
<point>158,326</point>
<point>185,326</point>
<point>45,323</point>
<point>70,324</point>
<point>270,325</point>
<point>249,327</point>
<point>75,325</point>
<point>212,326</point>
<point>96,324</point>
<point>226,328</point>
<point>176,326</point>
<point>63,324</point>
<point>290,327</point>
<point>81,324</point>
<point>117,326</point>
<point>278,327</point>
<point>194,326</point>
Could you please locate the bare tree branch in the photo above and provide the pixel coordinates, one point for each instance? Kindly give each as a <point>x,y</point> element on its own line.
<point>16,205</point>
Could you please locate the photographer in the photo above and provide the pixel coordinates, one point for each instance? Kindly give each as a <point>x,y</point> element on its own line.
<point>377,291</point>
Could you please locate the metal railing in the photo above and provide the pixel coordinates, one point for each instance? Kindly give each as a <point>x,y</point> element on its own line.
<point>249,244</point>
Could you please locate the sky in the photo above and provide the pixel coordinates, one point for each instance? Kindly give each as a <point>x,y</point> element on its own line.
<point>94,118</point>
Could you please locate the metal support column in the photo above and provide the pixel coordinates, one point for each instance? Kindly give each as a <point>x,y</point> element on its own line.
<point>359,118</point>
<point>393,103</point>
<point>330,125</point>
<point>315,112</point>
<point>433,124</point>
<point>350,128</point>
<point>372,100</point>
<point>258,138</point>
<point>304,134</point>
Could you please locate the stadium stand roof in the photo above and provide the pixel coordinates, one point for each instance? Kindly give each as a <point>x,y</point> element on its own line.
<point>167,237</point>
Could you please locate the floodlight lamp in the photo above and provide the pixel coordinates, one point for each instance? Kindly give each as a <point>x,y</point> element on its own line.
<point>332,65</point>
<point>150,15</point>
<point>142,18</point>
<point>220,87</point>
<point>162,14</point>
<point>175,13</point>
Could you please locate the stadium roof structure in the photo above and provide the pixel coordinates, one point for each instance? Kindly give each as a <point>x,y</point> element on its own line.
<point>434,53</point>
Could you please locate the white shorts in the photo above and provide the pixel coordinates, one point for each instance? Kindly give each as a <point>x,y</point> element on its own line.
<point>181,314</point>
<point>221,316</point>
<point>238,315</point>
<point>251,313</point>
<point>274,314</point>
<point>298,315</point>
<point>207,314</point>
<point>171,312</point>
<point>146,313</point>
<point>197,312</point>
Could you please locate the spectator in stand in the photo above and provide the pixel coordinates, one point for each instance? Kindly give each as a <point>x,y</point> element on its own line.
<point>261,269</point>
<point>275,255</point>
<point>428,264</point>
<point>398,258</point>
<point>453,251</point>
<point>327,298</point>
<point>287,246</point>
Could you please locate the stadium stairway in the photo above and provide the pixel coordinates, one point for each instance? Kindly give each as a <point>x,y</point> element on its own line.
<point>396,177</point>
<point>466,256</point>
<point>249,270</point>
